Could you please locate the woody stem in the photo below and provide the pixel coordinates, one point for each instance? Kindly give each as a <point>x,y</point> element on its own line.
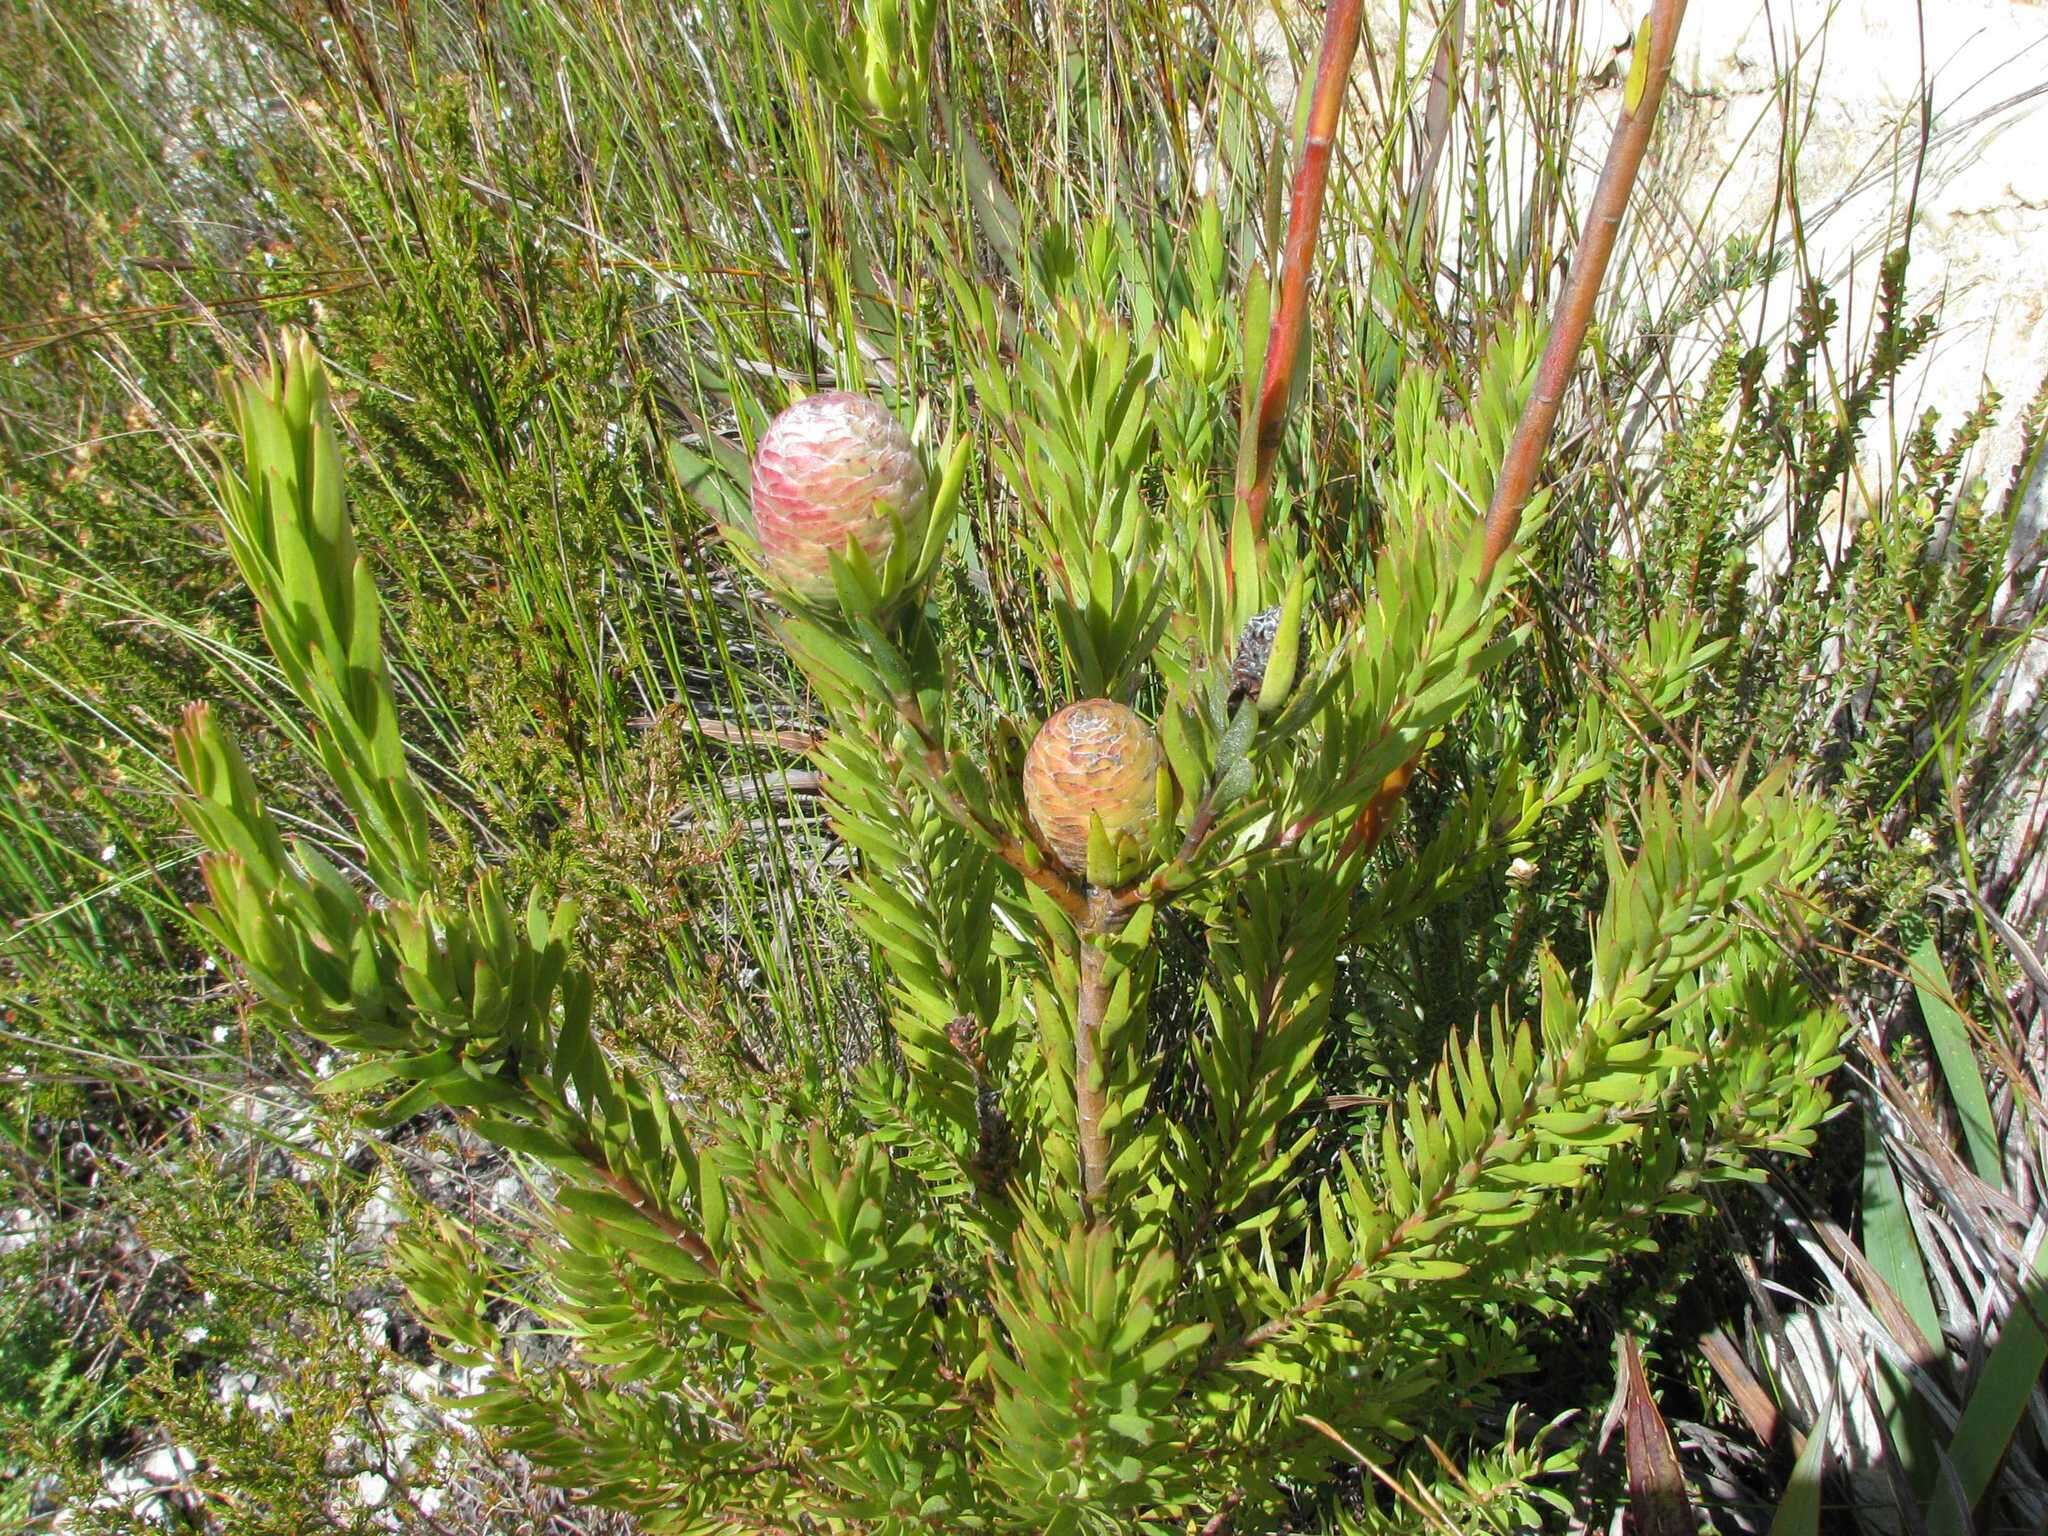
<point>1091,1088</point>
<point>1341,26</point>
<point>1574,314</point>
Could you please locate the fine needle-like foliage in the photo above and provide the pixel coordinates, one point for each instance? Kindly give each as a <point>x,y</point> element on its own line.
<point>1085,1246</point>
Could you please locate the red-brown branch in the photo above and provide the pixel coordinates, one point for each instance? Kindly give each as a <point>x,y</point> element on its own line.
<point>1568,326</point>
<point>1582,284</point>
<point>1220,1521</point>
<point>1091,1088</point>
<point>1039,870</point>
<point>1373,821</point>
<point>1304,219</point>
<point>624,1186</point>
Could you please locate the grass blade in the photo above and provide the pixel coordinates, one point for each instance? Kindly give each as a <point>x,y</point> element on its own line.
<point>2011,1373</point>
<point>1894,1252</point>
<point>1888,1240</point>
<point>1799,1511</point>
<point>1950,1034</point>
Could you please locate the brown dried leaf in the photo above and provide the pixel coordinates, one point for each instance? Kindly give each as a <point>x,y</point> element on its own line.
<point>1656,1484</point>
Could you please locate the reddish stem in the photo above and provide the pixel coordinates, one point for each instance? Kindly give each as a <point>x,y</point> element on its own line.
<point>1304,218</point>
<point>1040,871</point>
<point>624,1186</point>
<point>1568,326</point>
<point>1574,312</point>
<point>1373,821</point>
<point>1091,1094</point>
<point>1221,1519</point>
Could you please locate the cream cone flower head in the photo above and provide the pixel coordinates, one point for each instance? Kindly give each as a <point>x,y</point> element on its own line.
<point>834,468</point>
<point>1092,759</point>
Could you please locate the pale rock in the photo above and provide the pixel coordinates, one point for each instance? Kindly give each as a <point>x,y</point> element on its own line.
<point>234,1388</point>
<point>24,1227</point>
<point>168,1465</point>
<point>136,1494</point>
<point>379,1217</point>
<point>1978,196</point>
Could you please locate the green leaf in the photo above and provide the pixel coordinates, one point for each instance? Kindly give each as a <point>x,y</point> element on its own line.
<point>525,1137</point>
<point>1950,1035</point>
<point>1422,1269</point>
<point>995,211</point>
<point>1638,69</point>
<point>1799,1510</point>
<point>1889,1241</point>
<point>360,1078</point>
<point>1233,770</point>
<point>1997,1402</point>
<point>1285,659</point>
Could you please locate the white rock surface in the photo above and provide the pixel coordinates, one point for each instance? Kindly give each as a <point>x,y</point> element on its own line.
<point>168,1465</point>
<point>1927,121</point>
<point>1848,149</point>
<point>1972,180</point>
<point>21,1227</point>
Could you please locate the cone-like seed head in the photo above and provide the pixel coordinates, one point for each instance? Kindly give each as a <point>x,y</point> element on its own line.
<point>1092,758</point>
<point>1254,650</point>
<point>833,467</point>
<point>1269,657</point>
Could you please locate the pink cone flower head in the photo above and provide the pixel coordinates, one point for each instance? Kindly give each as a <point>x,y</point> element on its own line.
<point>1092,758</point>
<point>835,466</point>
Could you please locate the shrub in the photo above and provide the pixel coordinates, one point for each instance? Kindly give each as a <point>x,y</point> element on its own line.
<point>568,274</point>
<point>1078,1252</point>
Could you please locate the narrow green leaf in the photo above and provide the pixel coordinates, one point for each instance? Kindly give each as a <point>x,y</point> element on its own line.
<point>1799,1510</point>
<point>1950,1034</point>
<point>359,1078</point>
<point>1638,69</point>
<point>2010,1375</point>
<point>1888,1238</point>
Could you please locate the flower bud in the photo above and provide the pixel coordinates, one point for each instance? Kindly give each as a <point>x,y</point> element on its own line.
<point>834,467</point>
<point>1094,758</point>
